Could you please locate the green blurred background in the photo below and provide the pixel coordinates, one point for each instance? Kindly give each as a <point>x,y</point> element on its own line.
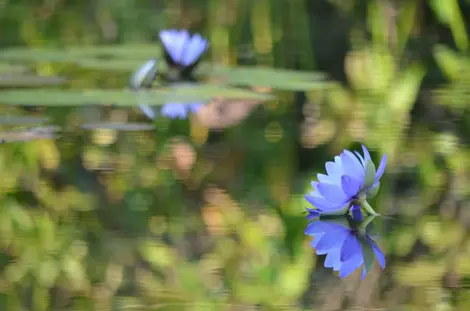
<point>189,215</point>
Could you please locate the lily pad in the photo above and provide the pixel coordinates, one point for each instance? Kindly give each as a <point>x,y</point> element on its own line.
<point>129,51</point>
<point>9,81</point>
<point>46,132</point>
<point>130,65</point>
<point>123,65</point>
<point>22,120</point>
<point>269,77</point>
<point>6,68</point>
<point>204,92</point>
<point>74,54</point>
<point>119,126</point>
<point>174,94</point>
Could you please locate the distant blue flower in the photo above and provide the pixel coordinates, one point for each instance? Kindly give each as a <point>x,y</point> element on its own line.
<point>346,244</point>
<point>143,78</point>
<point>351,179</point>
<point>144,75</point>
<point>179,110</point>
<point>183,49</point>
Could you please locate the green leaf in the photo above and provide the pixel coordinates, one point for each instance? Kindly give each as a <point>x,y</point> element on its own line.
<point>369,174</point>
<point>194,92</point>
<point>22,120</point>
<point>140,52</point>
<point>130,65</point>
<point>368,254</point>
<point>6,68</point>
<point>376,20</point>
<point>371,69</point>
<point>406,23</point>
<point>28,134</point>
<point>11,81</point>
<point>269,77</point>
<point>403,94</point>
<point>174,94</point>
<point>119,126</point>
<point>448,12</point>
<point>123,65</point>
<point>449,61</point>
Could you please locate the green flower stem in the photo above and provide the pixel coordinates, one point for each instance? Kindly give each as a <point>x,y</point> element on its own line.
<point>366,222</point>
<point>368,208</point>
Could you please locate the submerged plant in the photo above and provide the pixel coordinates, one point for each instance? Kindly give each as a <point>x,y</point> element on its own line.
<point>346,243</point>
<point>351,179</point>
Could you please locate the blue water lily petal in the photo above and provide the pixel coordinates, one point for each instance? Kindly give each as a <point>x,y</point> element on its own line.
<point>350,248</point>
<point>312,214</point>
<point>183,48</point>
<point>350,185</point>
<point>351,265</point>
<point>332,259</point>
<point>330,241</point>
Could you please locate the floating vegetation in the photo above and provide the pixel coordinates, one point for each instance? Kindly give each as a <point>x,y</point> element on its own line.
<point>123,97</point>
<point>12,81</point>
<point>139,52</point>
<point>7,68</point>
<point>119,126</point>
<point>22,120</point>
<point>35,133</point>
<point>269,77</point>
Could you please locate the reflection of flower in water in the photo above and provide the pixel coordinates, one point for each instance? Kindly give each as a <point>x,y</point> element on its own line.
<point>172,110</point>
<point>184,50</point>
<point>346,242</point>
<point>351,179</point>
<point>179,110</point>
<point>142,78</point>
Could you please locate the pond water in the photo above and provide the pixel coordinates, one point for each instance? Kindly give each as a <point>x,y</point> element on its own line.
<point>191,189</point>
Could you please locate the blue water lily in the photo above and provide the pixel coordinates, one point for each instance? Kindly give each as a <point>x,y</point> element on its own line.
<point>346,244</point>
<point>351,179</point>
<point>183,49</point>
